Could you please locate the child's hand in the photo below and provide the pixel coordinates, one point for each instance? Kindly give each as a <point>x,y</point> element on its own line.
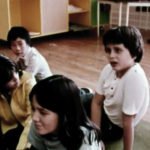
<point>102,145</point>
<point>21,59</point>
<point>18,57</point>
<point>21,63</point>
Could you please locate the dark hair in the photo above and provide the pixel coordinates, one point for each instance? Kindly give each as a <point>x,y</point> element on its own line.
<point>127,35</point>
<point>18,32</point>
<point>6,68</point>
<point>61,95</point>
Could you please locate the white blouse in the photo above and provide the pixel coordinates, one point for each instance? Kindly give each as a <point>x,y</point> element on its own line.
<point>34,63</point>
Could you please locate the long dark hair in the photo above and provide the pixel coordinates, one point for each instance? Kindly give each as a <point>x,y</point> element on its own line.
<point>130,36</point>
<point>6,67</point>
<point>61,95</point>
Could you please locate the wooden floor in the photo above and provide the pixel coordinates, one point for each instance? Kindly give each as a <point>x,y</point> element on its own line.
<point>79,56</point>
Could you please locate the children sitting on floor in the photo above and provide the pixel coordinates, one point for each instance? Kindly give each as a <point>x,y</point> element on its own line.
<point>30,60</point>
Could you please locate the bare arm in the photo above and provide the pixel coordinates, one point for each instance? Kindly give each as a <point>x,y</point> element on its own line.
<point>128,131</point>
<point>96,108</point>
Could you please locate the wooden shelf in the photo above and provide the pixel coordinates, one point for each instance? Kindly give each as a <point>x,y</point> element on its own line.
<point>82,11</point>
<point>34,33</point>
<point>77,27</point>
<point>83,16</point>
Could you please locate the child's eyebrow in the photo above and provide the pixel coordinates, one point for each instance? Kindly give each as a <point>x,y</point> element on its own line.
<point>12,42</point>
<point>42,109</point>
<point>19,41</point>
<point>39,108</point>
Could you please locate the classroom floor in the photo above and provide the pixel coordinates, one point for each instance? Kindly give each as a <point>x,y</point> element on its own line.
<point>79,56</point>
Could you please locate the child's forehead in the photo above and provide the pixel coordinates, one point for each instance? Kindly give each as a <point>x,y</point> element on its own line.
<point>115,44</point>
<point>19,39</point>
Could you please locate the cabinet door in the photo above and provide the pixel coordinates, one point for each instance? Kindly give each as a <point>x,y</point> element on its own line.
<point>54,16</point>
<point>4,19</point>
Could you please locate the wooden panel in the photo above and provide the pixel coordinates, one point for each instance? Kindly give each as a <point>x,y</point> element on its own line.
<point>54,16</point>
<point>4,18</point>
<point>85,4</point>
<point>30,15</point>
<point>15,13</point>
<point>82,18</point>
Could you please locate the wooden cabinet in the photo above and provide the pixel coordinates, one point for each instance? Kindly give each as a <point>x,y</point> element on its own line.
<point>82,17</point>
<point>42,17</point>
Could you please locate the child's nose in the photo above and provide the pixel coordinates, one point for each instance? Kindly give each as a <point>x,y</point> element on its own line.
<point>112,54</point>
<point>35,117</point>
<point>18,48</point>
<point>15,79</point>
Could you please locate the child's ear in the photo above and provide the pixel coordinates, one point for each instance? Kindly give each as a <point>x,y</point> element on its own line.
<point>134,57</point>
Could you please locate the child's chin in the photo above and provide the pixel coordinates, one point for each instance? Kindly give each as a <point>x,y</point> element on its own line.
<point>41,132</point>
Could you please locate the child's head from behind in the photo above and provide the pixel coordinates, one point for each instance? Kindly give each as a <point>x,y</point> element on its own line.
<point>56,105</point>
<point>18,40</point>
<point>129,36</point>
<point>9,74</point>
